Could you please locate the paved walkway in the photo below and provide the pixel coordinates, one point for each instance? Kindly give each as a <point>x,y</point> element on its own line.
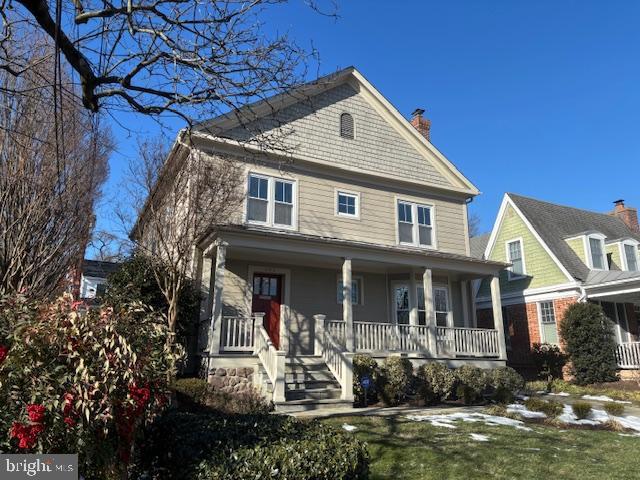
<point>384,411</point>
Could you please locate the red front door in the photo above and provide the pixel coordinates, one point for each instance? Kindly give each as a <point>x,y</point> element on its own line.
<point>267,296</point>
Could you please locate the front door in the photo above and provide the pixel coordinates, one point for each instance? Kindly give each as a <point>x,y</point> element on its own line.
<point>267,297</point>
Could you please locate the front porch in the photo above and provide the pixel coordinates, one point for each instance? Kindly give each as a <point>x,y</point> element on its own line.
<point>284,301</point>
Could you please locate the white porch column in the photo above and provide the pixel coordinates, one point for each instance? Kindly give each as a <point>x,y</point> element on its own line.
<point>216,297</point>
<point>430,313</point>
<point>319,321</point>
<point>496,303</point>
<point>413,298</point>
<point>466,293</point>
<point>347,307</point>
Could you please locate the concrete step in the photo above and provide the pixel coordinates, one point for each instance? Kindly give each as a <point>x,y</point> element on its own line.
<point>292,406</point>
<point>312,384</point>
<point>307,367</point>
<point>309,376</point>
<point>313,393</point>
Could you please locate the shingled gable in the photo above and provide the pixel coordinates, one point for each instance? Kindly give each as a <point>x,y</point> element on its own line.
<point>555,223</point>
<point>385,143</point>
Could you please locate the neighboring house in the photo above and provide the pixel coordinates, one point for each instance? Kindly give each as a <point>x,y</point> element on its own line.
<point>562,255</point>
<point>359,244</point>
<point>93,278</point>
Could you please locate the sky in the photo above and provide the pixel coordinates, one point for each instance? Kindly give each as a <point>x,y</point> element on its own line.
<point>540,98</point>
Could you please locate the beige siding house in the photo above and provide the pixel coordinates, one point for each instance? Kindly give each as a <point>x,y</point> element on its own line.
<point>352,238</point>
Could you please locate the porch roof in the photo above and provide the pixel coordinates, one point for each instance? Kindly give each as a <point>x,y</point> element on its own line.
<point>617,286</point>
<point>252,236</point>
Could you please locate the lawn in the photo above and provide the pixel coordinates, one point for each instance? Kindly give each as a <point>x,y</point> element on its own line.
<point>404,449</point>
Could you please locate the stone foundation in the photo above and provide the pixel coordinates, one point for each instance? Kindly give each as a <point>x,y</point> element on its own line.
<point>629,375</point>
<point>231,379</point>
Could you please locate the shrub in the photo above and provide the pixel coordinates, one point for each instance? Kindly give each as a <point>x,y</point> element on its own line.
<point>581,409</point>
<point>364,365</point>
<point>249,401</point>
<point>590,343</point>
<point>183,445</point>
<point>614,409</point>
<point>506,382</point>
<point>190,390</point>
<point>435,382</point>
<point>397,373</point>
<point>549,361</point>
<point>81,382</point>
<point>550,408</point>
<point>472,382</point>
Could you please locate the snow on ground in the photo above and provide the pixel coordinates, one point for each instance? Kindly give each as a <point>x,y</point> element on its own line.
<point>447,420</point>
<point>597,417</point>
<point>478,437</point>
<point>602,398</point>
<point>524,412</point>
<point>559,394</point>
<point>349,428</point>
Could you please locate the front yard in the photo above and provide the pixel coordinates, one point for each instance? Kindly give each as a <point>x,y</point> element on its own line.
<point>405,449</point>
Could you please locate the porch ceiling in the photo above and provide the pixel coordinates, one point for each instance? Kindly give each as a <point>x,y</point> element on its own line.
<point>292,248</point>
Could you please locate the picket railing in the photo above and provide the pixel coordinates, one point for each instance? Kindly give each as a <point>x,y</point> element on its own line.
<point>471,342</point>
<point>272,359</point>
<point>237,333</point>
<point>338,330</point>
<point>382,337</point>
<point>628,355</point>
<point>340,363</point>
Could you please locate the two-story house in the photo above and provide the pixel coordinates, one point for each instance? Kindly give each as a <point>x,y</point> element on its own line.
<point>558,256</point>
<point>357,243</point>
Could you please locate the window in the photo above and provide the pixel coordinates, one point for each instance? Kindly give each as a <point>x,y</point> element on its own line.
<point>402,304</point>
<point>441,305</point>
<point>415,224</point>
<point>516,258</point>
<point>347,204</point>
<point>596,249</point>
<point>440,300</point>
<point>631,257</point>
<point>270,201</point>
<point>356,291</point>
<point>346,126</point>
<point>549,332</point>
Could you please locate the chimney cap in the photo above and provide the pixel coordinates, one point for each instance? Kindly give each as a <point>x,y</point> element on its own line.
<point>619,203</point>
<point>418,112</point>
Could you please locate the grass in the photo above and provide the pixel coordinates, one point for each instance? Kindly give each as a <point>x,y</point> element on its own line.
<point>402,449</point>
<point>618,391</point>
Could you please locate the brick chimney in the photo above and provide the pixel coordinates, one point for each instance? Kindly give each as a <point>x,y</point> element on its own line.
<point>423,125</point>
<point>627,214</point>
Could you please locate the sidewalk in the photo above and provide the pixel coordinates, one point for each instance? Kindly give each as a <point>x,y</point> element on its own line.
<point>385,411</point>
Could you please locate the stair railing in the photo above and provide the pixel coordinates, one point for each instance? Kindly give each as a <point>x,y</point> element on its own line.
<point>340,363</point>
<point>272,359</point>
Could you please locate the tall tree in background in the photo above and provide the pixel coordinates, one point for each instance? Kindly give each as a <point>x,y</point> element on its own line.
<point>50,178</point>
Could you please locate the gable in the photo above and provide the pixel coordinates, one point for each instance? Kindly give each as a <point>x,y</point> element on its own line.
<point>311,127</point>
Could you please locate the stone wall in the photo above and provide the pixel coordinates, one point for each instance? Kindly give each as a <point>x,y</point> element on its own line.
<point>231,379</point>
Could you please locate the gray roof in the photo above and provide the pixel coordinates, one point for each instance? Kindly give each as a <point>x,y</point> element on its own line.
<point>554,223</point>
<point>478,245</point>
<point>597,277</point>
<point>98,268</point>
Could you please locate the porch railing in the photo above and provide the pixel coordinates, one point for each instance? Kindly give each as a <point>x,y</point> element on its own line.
<point>272,359</point>
<point>372,337</point>
<point>470,342</point>
<point>628,355</point>
<point>237,333</point>
<point>340,363</point>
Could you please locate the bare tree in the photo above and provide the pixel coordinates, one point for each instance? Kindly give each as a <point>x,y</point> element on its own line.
<point>48,184</point>
<point>474,225</point>
<point>107,246</point>
<point>194,58</point>
<point>181,195</point>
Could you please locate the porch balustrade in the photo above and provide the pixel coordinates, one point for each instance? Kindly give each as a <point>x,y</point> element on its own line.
<point>468,342</point>
<point>238,333</point>
<point>628,355</point>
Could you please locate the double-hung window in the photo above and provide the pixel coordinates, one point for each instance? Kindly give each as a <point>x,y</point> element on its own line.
<point>515,256</point>
<point>549,331</point>
<point>596,249</point>
<point>631,256</point>
<point>270,201</point>
<point>415,224</point>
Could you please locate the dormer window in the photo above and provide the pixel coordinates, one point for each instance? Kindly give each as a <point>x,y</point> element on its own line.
<point>597,256</point>
<point>630,260</point>
<point>346,126</point>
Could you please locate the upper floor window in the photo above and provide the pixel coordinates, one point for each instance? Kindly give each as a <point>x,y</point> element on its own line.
<point>347,204</point>
<point>597,253</point>
<point>631,256</point>
<point>270,201</point>
<point>515,256</point>
<point>415,224</point>
<point>347,126</point>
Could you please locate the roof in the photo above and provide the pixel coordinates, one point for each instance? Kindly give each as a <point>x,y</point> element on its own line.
<point>555,223</point>
<point>98,268</point>
<point>598,277</point>
<point>478,245</point>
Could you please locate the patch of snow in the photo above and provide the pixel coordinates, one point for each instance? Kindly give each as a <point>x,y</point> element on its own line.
<point>569,417</point>
<point>524,398</point>
<point>478,437</point>
<point>630,422</point>
<point>446,420</point>
<point>524,411</point>
<point>559,394</point>
<point>349,428</point>
<point>541,392</point>
<point>603,398</point>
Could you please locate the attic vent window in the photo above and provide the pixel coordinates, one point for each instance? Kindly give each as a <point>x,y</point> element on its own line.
<point>346,126</point>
